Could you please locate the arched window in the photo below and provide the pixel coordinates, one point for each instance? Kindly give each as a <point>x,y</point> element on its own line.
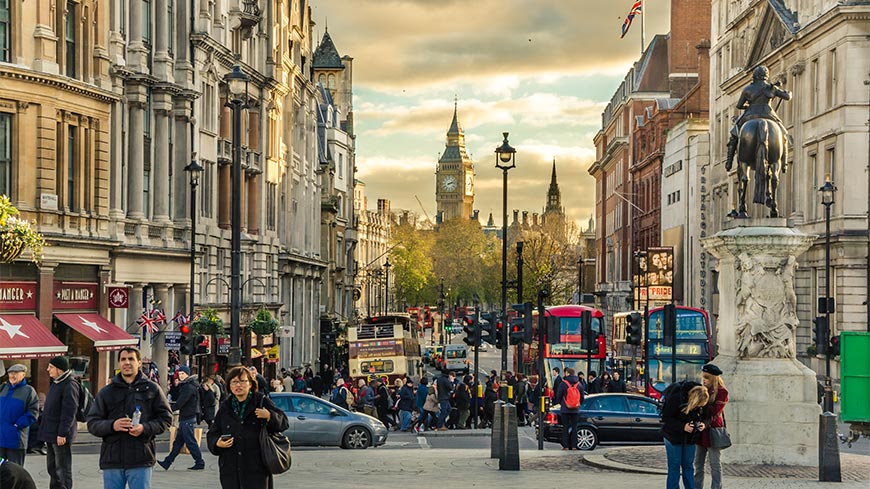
<point>331,83</point>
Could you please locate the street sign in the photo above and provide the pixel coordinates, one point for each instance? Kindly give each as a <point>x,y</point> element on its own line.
<point>119,297</point>
<point>223,346</point>
<point>172,340</point>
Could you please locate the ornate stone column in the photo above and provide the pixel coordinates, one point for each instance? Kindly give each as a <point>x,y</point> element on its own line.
<point>160,165</point>
<point>254,202</point>
<point>135,157</point>
<point>772,414</point>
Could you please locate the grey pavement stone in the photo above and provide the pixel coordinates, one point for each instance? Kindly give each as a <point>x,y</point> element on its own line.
<point>336,468</point>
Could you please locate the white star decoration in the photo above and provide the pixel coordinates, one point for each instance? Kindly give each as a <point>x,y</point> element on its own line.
<point>92,325</point>
<point>30,294</point>
<point>12,330</point>
<point>118,297</point>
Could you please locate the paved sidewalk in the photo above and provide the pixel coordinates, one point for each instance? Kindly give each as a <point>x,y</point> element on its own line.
<point>335,468</point>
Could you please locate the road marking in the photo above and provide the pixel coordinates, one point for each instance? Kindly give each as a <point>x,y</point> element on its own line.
<point>424,443</point>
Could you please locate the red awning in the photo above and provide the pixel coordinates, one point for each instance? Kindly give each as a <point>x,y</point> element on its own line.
<point>23,336</point>
<point>105,334</point>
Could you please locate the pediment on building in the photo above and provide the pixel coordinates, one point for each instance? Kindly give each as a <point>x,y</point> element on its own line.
<point>777,27</point>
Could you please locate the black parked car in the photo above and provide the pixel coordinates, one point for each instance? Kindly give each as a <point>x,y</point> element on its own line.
<point>610,418</point>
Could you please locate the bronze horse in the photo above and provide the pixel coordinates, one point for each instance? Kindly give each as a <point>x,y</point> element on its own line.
<point>761,146</point>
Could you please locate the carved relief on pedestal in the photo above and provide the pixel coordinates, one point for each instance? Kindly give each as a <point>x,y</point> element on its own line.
<point>766,306</point>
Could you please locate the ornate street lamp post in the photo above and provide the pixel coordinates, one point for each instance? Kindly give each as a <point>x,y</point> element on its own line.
<point>194,170</point>
<point>505,159</point>
<point>237,84</point>
<point>827,192</point>
<point>387,266</point>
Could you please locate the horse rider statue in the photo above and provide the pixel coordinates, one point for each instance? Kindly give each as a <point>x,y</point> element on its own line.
<point>755,102</point>
<point>758,141</point>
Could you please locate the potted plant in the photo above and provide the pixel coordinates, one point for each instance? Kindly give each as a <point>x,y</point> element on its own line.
<point>208,323</point>
<point>263,323</point>
<point>17,234</point>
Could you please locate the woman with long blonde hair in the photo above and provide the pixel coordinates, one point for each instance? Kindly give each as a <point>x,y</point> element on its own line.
<point>681,414</point>
<point>711,377</point>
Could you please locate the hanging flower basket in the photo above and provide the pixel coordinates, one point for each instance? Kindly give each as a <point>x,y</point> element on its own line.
<point>263,323</point>
<point>16,234</point>
<point>208,323</point>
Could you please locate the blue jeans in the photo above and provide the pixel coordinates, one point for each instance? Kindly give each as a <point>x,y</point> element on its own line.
<point>444,412</point>
<point>136,478</point>
<point>680,457</point>
<point>186,436</point>
<point>406,420</point>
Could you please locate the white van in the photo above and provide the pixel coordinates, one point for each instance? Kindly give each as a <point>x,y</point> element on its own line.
<point>456,359</point>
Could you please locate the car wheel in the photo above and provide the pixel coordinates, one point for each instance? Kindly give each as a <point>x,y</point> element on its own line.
<point>357,438</point>
<point>587,438</point>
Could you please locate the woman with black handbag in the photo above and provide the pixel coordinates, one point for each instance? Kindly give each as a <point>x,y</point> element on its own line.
<point>714,439</point>
<point>235,434</point>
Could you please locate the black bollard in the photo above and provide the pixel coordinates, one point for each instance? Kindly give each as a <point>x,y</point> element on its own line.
<point>496,443</point>
<point>510,457</point>
<point>829,449</point>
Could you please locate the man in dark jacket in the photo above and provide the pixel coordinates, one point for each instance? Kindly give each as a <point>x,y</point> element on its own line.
<point>593,384</point>
<point>382,403</point>
<point>463,402</point>
<point>57,427</point>
<point>570,415</point>
<point>128,414</point>
<point>188,408</point>
<point>406,404</point>
<point>444,390</point>
<point>19,406</point>
<point>557,380</point>
<point>617,384</point>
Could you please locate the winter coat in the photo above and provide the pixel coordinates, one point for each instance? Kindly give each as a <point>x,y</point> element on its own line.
<point>60,408</point>
<point>422,394</point>
<point>713,415</point>
<point>19,406</point>
<point>241,465</point>
<point>444,388</point>
<point>431,404</point>
<point>207,403</point>
<point>563,391</point>
<point>383,400</point>
<point>463,396</point>
<point>187,403</point>
<point>521,392</point>
<point>365,396</point>
<point>121,450</point>
<point>406,398</point>
<point>675,419</point>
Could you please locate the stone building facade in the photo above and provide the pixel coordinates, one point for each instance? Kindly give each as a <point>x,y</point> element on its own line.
<point>374,231</point>
<point>819,50</point>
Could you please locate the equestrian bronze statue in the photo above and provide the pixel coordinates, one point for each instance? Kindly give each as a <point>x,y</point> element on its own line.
<point>759,141</point>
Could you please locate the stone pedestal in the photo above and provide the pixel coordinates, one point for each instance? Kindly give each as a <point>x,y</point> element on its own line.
<point>772,413</point>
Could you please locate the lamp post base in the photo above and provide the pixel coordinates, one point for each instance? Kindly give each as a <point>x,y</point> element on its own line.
<point>234,359</point>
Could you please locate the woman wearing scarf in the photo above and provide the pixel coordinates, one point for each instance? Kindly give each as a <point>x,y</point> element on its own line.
<point>235,434</point>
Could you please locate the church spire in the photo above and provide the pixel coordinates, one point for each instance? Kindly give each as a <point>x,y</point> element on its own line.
<point>455,128</point>
<point>554,195</point>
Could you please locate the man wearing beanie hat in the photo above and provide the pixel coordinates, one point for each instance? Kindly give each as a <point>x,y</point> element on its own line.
<point>189,409</point>
<point>57,427</point>
<point>19,406</point>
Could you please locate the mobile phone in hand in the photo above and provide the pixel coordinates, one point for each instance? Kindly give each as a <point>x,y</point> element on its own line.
<point>226,437</point>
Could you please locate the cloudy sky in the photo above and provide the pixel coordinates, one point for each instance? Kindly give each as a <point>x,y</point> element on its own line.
<point>542,70</point>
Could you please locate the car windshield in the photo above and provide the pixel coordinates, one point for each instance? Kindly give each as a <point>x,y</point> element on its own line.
<point>641,406</point>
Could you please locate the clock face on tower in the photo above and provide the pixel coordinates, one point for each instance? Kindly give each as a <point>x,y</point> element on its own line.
<point>448,183</point>
<point>469,184</point>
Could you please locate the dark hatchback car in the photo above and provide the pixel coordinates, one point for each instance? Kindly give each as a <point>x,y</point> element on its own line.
<point>609,418</point>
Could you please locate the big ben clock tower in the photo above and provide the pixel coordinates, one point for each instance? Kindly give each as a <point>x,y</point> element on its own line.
<point>454,176</point>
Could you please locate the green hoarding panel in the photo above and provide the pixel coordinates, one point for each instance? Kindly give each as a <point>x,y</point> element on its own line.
<point>855,376</point>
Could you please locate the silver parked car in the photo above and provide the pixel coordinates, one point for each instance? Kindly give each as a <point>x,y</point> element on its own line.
<point>316,422</point>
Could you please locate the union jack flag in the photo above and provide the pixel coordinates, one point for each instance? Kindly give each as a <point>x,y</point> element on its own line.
<point>159,316</point>
<point>180,319</point>
<point>147,322</point>
<point>636,9</point>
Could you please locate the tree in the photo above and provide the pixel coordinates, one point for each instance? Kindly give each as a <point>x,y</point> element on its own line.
<point>412,264</point>
<point>465,258</point>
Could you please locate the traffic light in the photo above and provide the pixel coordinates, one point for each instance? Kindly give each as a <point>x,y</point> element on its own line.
<point>835,346</point>
<point>634,329</point>
<point>487,328</point>
<point>521,325</point>
<point>820,334</point>
<point>186,346</point>
<point>669,325</point>
<point>471,330</point>
<point>498,335</point>
<point>588,338</point>
<point>202,345</point>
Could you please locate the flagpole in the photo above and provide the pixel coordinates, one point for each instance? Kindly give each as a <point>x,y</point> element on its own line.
<point>642,28</point>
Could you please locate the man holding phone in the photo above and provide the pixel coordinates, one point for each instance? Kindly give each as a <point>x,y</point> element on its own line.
<point>128,414</point>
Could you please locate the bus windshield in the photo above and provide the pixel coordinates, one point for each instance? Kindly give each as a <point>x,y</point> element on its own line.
<point>569,339</point>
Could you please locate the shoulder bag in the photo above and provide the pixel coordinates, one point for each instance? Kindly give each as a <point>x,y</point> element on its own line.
<point>719,437</point>
<point>274,450</point>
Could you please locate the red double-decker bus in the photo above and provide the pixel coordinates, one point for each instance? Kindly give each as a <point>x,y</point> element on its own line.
<point>568,350</point>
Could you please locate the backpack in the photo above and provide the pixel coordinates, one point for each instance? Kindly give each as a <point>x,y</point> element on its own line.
<point>348,396</point>
<point>86,401</point>
<point>572,396</point>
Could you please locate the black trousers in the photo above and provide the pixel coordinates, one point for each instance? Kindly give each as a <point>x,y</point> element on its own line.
<point>569,430</point>
<point>13,455</point>
<point>59,465</point>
